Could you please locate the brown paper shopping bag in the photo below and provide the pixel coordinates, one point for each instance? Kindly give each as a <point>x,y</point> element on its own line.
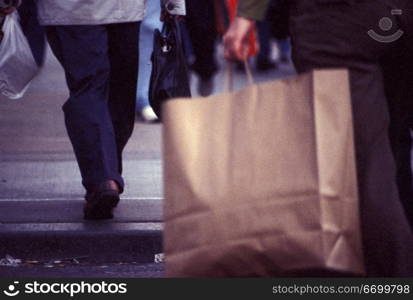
<point>262,182</point>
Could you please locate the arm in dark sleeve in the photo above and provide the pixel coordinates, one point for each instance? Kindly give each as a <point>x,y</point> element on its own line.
<point>253,9</point>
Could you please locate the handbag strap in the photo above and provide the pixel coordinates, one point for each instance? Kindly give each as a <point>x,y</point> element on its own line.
<point>173,26</point>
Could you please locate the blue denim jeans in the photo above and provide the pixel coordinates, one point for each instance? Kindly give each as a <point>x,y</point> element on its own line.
<point>148,26</point>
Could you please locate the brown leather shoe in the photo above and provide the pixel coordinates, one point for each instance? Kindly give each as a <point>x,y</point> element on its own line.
<point>101,202</point>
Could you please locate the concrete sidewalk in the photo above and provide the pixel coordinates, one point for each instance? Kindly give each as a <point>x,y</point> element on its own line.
<point>41,197</point>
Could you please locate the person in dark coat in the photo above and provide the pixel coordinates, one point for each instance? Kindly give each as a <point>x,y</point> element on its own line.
<point>357,35</point>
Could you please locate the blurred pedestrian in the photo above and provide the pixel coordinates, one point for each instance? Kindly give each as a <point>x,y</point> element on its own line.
<point>264,61</point>
<point>355,34</point>
<point>202,31</point>
<point>148,26</point>
<point>96,43</point>
<point>274,27</point>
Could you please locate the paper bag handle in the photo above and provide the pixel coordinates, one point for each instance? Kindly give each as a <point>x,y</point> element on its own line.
<point>229,75</point>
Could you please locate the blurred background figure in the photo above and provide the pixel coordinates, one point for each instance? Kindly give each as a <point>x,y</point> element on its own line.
<point>273,28</point>
<point>148,26</point>
<point>202,32</point>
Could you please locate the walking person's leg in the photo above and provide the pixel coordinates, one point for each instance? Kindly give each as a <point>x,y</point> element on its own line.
<point>334,36</point>
<point>123,59</point>
<point>264,60</point>
<point>284,49</point>
<point>148,26</point>
<point>83,53</point>
<point>202,31</point>
<point>398,75</point>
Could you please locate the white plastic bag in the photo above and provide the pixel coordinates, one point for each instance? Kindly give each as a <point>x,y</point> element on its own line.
<point>17,64</point>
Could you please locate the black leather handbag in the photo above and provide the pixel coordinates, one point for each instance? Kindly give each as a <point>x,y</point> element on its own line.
<point>170,75</point>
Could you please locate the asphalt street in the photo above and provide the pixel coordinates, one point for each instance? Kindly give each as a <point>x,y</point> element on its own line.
<point>41,196</point>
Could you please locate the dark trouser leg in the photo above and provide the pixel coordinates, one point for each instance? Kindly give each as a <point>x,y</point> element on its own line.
<point>83,53</point>
<point>123,58</point>
<point>202,32</point>
<point>398,75</point>
<point>334,36</point>
<point>264,36</point>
